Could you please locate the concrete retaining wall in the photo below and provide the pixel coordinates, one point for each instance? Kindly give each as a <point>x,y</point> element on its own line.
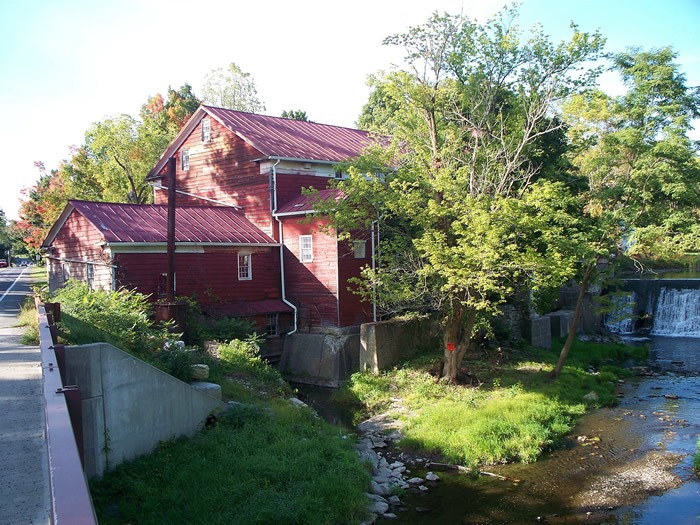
<point>129,406</point>
<point>541,332</point>
<point>386,343</point>
<point>326,359</point>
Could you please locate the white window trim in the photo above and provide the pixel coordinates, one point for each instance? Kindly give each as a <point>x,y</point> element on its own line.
<point>90,275</point>
<point>185,160</point>
<point>248,268</point>
<point>206,138</point>
<point>275,317</point>
<point>306,254</point>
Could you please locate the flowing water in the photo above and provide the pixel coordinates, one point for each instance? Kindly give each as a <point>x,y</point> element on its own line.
<point>639,472</point>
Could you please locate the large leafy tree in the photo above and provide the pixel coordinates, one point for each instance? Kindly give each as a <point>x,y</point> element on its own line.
<point>642,170</point>
<point>232,88</point>
<point>110,166</point>
<point>119,151</point>
<point>467,118</point>
<point>41,206</point>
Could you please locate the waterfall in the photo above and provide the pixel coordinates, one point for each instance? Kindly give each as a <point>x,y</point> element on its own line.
<point>677,313</point>
<point>623,318</point>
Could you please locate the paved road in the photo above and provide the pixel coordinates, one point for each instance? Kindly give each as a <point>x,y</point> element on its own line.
<point>24,497</point>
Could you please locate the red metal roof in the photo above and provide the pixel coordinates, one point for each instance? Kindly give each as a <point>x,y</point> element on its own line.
<point>246,308</point>
<point>149,223</point>
<point>293,139</point>
<point>305,203</point>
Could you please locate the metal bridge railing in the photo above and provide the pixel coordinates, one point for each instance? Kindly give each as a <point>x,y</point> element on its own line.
<point>68,489</point>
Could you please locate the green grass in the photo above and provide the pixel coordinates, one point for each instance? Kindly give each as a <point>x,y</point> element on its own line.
<point>516,413</point>
<point>265,464</point>
<point>696,459</point>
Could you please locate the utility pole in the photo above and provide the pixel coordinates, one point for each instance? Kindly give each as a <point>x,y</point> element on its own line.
<point>170,283</point>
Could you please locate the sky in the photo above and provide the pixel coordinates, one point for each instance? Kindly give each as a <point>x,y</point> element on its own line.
<point>65,64</point>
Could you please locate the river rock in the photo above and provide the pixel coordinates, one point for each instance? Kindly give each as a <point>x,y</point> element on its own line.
<point>383,475</point>
<point>298,402</point>
<point>376,497</point>
<point>591,396</point>
<point>199,372</point>
<point>377,442</point>
<point>383,489</point>
<point>415,481</point>
<point>390,516</point>
<point>422,488</point>
<point>432,477</point>
<point>670,396</point>
<point>395,501</point>
<point>378,507</point>
<point>208,388</point>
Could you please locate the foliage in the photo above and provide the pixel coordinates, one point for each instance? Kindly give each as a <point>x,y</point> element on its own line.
<point>516,419</point>
<point>274,464</point>
<point>468,118</point>
<point>642,170</point>
<point>231,89</point>
<point>41,206</point>
<point>228,328</point>
<point>122,317</point>
<point>295,114</point>
<point>243,357</point>
<point>110,166</point>
<point>177,360</point>
<point>696,458</point>
<point>28,319</point>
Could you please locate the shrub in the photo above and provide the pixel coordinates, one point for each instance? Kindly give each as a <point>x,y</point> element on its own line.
<point>228,328</point>
<point>243,357</point>
<point>122,318</point>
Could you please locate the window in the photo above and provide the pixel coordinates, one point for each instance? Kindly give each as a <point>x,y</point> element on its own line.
<point>245,270</point>
<point>306,249</point>
<point>206,130</point>
<point>360,249</point>
<point>273,322</point>
<point>185,160</point>
<point>90,275</point>
<point>163,284</point>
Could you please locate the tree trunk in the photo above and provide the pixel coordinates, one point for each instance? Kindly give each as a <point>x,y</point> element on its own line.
<point>554,374</point>
<point>460,337</point>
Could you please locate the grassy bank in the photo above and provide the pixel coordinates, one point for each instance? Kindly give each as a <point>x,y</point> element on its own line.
<point>270,463</point>
<point>263,461</point>
<point>513,415</point>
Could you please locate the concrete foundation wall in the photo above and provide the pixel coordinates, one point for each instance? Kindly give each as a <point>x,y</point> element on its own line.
<point>561,322</point>
<point>386,343</point>
<point>129,406</point>
<point>540,332</point>
<point>320,359</point>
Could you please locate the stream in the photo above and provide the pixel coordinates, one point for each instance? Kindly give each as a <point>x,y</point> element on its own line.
<point>637,471</point>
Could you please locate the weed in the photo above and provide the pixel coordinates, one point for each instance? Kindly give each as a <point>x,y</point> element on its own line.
<point>271,463</point>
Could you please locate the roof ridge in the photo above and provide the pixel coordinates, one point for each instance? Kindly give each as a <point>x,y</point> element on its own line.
<point>284,119</point>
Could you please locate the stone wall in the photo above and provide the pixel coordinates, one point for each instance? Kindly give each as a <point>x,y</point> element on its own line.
<point>129,406</point>
<point>325,359</point>
<point>386,343</point>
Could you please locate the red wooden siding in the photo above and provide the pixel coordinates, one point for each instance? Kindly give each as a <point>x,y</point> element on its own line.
<point>352,309</point>
<point>312,287</point>
<point>223,170</point>
<point>79,242</point>
<point>212,275</point>
<point>289,186</point>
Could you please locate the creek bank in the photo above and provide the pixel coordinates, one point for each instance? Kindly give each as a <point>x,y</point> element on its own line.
<point>391,474</point>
